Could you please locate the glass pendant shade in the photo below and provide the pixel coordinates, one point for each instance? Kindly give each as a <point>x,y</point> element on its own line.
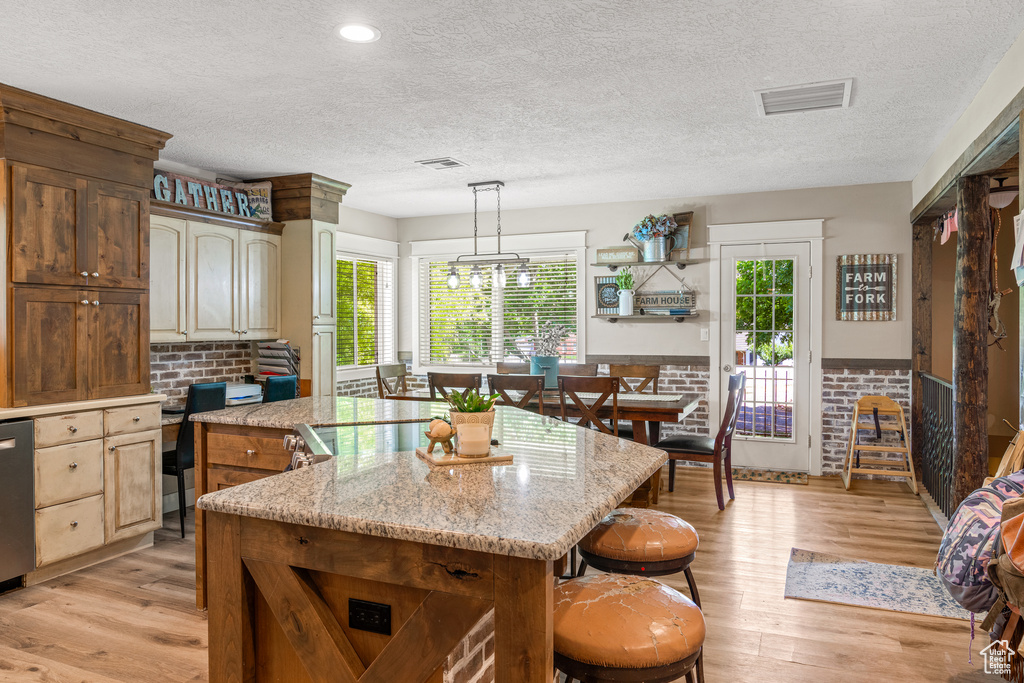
<point>524,276</point>
<point>476,278</point>
<point>453,278</point>
<point>500,276</point>
<point>1000,199</point>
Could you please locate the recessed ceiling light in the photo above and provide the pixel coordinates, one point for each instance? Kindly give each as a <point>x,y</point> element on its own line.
<point>359,33</point>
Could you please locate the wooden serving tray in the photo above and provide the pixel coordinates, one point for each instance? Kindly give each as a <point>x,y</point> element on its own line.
<point>440,458</point>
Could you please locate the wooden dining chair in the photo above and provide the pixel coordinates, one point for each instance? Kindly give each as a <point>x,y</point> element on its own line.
<point>717,451</point>
<point>529,385</point>
<point>441,382</point>
<point>634,379</point>
<point>578,369</point>
<point>391,379</point>
<point>513,368</point>
<point>570,386</point>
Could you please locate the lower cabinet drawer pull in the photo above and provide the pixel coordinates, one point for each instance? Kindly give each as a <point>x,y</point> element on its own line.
<point>112,448</point>
<point>74,525</point>
<point>250,453</point>
<point>73,465</point>
<point>136,418</point>
<point>72,429</point>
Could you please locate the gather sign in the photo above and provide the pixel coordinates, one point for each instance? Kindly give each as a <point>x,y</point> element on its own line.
<point>248,200</point>
<point>866,287</point>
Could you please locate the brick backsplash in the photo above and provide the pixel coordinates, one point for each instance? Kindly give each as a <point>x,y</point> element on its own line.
<point>173,367</point>
<point>840,389</point>
<point>472,660</point>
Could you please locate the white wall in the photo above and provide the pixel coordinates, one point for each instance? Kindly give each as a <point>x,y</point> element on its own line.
<point>1005,81</point>
<point>365,223</point>
<point>858,219</point>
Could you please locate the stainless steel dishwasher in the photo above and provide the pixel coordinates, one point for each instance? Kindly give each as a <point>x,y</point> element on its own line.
<point>17,500</point>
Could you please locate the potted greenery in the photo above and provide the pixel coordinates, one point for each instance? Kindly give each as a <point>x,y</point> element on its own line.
<point>545,352</point>
<point>472,408</point>
<point>624,280</point>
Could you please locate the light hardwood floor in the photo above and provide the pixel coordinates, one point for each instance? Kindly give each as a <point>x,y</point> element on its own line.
<point>133,618</point>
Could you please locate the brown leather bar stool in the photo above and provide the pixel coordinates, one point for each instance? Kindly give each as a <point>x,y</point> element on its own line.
<point>615,628</point>
<point>641,542</point>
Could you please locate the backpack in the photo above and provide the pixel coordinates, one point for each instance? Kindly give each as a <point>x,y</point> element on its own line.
<point>969,543</point>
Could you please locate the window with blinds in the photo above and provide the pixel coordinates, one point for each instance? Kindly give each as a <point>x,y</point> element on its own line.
<point>366,305</point>
<point>469,326</point>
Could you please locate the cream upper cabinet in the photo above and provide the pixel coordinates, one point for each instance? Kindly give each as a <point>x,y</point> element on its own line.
<point>167,293</point>
<point>324,273</point>
<point>212,267</point>
<point>259,285</point>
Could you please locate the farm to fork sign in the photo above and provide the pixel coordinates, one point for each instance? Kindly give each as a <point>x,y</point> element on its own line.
<point>866,287</point>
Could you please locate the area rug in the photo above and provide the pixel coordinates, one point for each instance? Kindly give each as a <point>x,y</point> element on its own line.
<point>769,475</point>
<point>829,578</point>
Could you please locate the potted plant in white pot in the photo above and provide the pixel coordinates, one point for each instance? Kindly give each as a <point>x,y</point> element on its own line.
<point>472,409</point>
<point>624,280</point>
<point>545,352</point>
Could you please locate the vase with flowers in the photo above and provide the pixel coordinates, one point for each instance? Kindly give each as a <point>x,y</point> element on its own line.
<point>651,236</point>
<point>544,360</point>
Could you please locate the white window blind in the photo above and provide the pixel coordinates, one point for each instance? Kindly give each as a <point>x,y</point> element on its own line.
<point>483,326</point>
<point>366,311</point>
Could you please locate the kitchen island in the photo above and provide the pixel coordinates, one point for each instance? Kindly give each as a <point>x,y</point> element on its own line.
<point>435,548</point>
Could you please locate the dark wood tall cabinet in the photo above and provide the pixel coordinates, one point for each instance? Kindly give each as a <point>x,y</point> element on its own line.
<point>75,209</point>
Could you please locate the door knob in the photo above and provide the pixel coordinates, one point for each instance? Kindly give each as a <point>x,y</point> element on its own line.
<point>84,273</point>
<point>85,302</point>
<point>112,448</point>
<point>72,429</point>
<point>250,453</point>
<point>95,274</point>
<point>96,303</point>
<point>136,418</point>
<point>74,525</point>
<point>73,466</point>
<point>727,368</point>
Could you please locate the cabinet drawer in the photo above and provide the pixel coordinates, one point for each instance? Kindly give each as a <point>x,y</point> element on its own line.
<point>69,472</point>
<point>218,479</point>
<point>265,453</point>
<point>131,419</point>
<point>57,429</point>
<point>68,529</point>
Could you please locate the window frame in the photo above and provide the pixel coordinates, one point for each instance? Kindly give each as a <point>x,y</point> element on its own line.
<point>533,245</point>
<point>361,247</point>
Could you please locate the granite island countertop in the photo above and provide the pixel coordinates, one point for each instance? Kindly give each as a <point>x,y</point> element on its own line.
<point>562,481</point>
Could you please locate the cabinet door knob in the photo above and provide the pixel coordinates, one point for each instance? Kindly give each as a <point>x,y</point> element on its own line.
<point>73,466</point>
<point>72,429</point>
<point>136,418</point>
<point>245,331</point>
<point>74,525</point>
<point>96,303</point>
<point>95,274</point>
<point>85,302</point>
<point>316,317</point>
<point>250,453</point>
<point>112,448</point>
<point>84,273</point>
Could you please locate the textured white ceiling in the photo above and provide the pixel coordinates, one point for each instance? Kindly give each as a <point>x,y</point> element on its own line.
<point>568,102</point>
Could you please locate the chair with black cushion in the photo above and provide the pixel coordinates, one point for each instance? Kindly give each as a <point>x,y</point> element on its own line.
<point>180,455</point>
<point>442,382</point>
<point>513,368</point>
<point>717,450</point>
<point>634,379</point>
<point>527,386</point>
<point>391,379</point>
<point>280,388</point>
<point>571,386</point>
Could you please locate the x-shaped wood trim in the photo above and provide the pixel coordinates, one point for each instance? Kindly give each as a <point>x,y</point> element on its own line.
<point>588,414</point>
<point>626,388</point>
<point>437,625</point>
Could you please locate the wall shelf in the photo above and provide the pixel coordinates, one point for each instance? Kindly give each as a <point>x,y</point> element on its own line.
<point>661,264</point>
<point>612,318</point>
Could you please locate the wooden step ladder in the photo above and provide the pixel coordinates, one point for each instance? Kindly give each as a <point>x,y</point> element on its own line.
<point>874,407</point>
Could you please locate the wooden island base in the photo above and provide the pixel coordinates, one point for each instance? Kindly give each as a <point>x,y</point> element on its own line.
<point>279,601</point>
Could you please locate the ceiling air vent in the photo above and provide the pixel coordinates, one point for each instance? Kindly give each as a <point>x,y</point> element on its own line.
<point>442,163</point>
<point>806,97</point>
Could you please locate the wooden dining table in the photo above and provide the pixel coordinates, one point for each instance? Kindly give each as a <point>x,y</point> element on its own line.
<point>644,411</point>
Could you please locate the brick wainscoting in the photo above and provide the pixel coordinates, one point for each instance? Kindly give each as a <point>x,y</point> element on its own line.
<point>840,389</point>
<point>472,660</point>
<point>172,367</point>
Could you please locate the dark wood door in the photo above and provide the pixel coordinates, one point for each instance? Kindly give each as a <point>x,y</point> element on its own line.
<point>117,235</point>
<point>48,227</point>
<point>49,351</point>
<point>118,343</point>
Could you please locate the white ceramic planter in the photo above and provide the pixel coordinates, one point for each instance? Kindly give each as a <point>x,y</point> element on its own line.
<point>625,302</point>
<point>474,418</point>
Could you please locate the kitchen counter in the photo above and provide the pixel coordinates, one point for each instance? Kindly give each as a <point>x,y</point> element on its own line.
<point>433,546</point>
<point>563,480</point>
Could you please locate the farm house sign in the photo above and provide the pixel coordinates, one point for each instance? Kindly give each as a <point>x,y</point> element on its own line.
<point>866,287</point>
<point>204,194</point>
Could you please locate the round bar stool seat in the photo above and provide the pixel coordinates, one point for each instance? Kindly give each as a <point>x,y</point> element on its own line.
<point>641,541</point>
<point>616,627</point>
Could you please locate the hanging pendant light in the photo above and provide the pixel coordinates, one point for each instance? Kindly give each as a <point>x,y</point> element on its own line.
<point>1000,197</point>
<point>476,259</point>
